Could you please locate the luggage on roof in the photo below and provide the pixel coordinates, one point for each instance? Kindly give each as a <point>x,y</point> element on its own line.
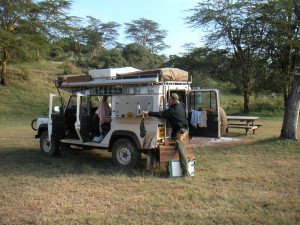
<point>165,74</point>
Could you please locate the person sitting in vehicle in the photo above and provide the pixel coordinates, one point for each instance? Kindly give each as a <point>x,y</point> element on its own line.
<point>103,111</point>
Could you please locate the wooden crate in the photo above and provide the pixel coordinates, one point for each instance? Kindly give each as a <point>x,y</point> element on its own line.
<point>170,152</point>
<point>77,78</point>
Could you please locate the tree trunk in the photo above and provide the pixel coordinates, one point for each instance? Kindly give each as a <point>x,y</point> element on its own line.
<point>37,52</point>
<point>246,93</point>
<point>291,113</point>
<point>3,73</point>
<point>287,78</point>
<point>246,101</point>
<point>3,64</point>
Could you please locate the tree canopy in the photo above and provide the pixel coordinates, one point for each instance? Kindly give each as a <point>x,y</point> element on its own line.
<point>26,25</point>
<point>146,33</point>
<point>253,44</point>
<point>263,39</point>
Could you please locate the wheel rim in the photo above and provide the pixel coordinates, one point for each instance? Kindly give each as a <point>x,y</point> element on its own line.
<point>124,155</point>
<point>46,145</point>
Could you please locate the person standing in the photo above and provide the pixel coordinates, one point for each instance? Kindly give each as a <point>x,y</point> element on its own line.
<point>175,114</point>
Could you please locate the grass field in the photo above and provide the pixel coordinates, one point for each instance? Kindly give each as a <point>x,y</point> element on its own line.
<point>252,180</point>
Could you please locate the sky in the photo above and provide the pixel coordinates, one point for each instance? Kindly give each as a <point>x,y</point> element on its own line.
<point>169,14</point>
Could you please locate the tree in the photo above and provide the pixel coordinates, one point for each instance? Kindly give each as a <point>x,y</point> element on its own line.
<point>264,37</point>
<point>281,44</point>
<point>87,42</point>
<point>232,23</point>
<point>110,34</point>
<point>146,33</point>
<point>138,56</point>
<point>291,113</point>
<point>105,58</point>
<point>292,110</point>
<point>26,22</point>
<point>112,58</point>
<point>98,34</point>
<point>203,64</point>
<point>281,40</point>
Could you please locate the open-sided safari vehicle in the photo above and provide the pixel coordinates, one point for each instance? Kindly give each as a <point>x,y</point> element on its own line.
<point>126,134</point>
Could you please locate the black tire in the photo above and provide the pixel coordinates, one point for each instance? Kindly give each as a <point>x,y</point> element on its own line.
<point>223,119</point>
<point>49,148</point>
<point>125,154</point>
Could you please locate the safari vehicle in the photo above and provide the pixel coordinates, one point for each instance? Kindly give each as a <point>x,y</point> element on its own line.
<point>129,91</point>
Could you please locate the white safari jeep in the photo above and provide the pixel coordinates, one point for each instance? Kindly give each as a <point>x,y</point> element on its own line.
<point>129,91</point>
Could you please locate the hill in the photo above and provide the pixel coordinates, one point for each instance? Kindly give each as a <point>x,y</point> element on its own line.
<point>28,88</point>
<point>29,84</point>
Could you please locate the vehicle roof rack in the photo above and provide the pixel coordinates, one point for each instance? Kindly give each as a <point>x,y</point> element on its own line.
<point>122,82</point>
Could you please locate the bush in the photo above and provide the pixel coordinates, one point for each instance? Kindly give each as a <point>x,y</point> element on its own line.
<point>19,73</point>
<point>69,68</point>
<point>267,104</point>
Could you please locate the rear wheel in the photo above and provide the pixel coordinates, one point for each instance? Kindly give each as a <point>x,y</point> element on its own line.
<point>125,154</point>
<point>50,148</point>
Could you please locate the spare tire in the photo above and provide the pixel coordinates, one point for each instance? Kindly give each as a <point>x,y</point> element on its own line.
<point>223,119</point>
<point>34,124</point>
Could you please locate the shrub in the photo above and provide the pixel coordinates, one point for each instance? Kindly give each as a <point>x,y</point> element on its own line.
<point>69,68</point>
<point>267,104</point>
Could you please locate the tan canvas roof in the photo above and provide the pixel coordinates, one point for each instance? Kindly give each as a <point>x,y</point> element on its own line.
<point>165,74</point>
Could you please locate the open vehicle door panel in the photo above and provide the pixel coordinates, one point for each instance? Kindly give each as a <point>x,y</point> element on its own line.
<point>203,113</point>
<point>83,117</point>
<point>56,126</point>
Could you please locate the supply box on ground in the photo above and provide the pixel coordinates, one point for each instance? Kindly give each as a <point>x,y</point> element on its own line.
<point>175,168</point>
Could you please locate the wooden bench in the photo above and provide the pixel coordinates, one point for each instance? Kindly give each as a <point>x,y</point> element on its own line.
<point>249,123</point>
<point>243,126</point>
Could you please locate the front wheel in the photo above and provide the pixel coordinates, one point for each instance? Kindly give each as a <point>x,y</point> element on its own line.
<point>50,148</point>
<point>125,154</point>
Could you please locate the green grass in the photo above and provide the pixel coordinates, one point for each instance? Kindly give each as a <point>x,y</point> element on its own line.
<point>29,85</point>
<point>254,180</point>
<point>28,88</point>
<point>270,105</point>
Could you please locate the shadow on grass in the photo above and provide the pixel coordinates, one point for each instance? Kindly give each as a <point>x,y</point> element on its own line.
<point>272,140</point>
<point>249,145</point>
<point>32,162</point>
<point>279,144</point>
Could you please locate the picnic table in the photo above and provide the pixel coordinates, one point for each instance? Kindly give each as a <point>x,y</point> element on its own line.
<point>243,122</point>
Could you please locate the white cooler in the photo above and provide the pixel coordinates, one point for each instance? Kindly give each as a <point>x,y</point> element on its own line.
<point>175,168</point>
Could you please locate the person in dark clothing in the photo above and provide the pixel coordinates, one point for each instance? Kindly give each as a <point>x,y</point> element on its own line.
<point>176,117</point>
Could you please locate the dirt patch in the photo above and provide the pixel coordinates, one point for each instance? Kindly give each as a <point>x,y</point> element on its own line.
<point>202,141</point>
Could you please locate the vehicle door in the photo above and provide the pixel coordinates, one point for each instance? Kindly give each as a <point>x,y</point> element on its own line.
<point>56,125</point>
<point>203,108</point>
<point>83,117</point>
